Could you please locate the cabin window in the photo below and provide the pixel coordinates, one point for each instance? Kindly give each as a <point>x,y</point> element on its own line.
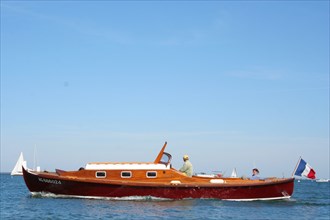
<point>126,174</point>
<point>166,158</point>
<point>101,174</point>
<point>151,174</point>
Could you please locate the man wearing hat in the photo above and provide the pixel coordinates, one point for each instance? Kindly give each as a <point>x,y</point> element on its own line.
<point>187,167</point>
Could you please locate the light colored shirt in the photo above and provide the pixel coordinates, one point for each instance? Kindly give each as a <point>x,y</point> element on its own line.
<point>187,168</point>
<point>255,177</point>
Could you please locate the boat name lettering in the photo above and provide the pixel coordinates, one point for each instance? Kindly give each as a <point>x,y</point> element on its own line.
<point>49,181</point>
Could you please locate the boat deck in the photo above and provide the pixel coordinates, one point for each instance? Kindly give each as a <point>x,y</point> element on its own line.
<point>178,180</point>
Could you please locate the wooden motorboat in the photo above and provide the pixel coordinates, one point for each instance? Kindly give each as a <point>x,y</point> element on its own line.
<point>154,179</point>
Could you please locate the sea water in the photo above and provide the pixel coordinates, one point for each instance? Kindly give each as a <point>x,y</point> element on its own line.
<point>311,200</point>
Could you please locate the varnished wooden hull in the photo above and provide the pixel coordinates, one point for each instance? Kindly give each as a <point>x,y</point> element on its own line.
<point>41,182</point>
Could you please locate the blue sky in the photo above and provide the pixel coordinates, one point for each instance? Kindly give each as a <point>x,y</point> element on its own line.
<point>232,84</point>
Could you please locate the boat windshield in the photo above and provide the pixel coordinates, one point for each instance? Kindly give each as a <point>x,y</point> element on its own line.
<point>166,158</point>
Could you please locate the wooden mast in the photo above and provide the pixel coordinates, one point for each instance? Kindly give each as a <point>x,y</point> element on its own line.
<point>159,157</point>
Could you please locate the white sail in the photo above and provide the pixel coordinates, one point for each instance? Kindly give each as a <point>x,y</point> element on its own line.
<point>17,171</point>
<point>234,173</point>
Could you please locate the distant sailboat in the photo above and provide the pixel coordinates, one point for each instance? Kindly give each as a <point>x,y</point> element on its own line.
<point>234,173</point>
<point>17,171</point>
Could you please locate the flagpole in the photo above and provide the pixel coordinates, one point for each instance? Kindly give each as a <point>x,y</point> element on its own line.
<point>295,169</point>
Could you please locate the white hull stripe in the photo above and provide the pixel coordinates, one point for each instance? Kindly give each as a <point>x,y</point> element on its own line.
<point>255,199</point>
<point>45,194</point>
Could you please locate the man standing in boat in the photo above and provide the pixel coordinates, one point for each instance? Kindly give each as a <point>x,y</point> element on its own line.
<point>187,167</point>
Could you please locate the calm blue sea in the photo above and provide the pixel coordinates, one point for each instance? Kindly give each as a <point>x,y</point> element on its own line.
<point>311,200</point>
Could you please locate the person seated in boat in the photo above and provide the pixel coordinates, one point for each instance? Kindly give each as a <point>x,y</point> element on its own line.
<point>187,167</point>
<point>255,174</point>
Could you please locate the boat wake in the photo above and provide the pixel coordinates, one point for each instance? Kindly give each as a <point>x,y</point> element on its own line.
<point>127,198</point>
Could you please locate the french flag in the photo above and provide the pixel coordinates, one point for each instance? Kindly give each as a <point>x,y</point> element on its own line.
<point>304,169</point>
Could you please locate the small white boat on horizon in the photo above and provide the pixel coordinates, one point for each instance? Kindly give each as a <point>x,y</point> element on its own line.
<point>234,173</point>
<point>17,171</point>
<point>322,180</point>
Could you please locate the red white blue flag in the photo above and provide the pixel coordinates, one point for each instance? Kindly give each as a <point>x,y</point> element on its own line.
<point>304,169</point>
